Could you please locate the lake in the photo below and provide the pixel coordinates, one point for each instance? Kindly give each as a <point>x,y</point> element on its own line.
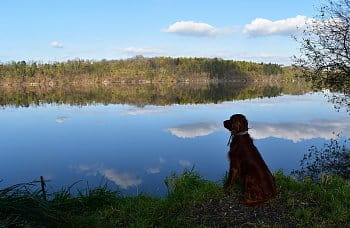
<point>132,137</point>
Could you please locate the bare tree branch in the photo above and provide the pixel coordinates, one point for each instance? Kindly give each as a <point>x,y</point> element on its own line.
<point>325,43</point>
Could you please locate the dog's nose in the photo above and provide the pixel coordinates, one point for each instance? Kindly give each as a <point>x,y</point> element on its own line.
<point>227,125</point>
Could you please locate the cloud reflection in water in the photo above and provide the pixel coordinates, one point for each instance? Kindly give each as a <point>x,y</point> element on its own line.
<point>61,119</point>
<point>259,130</point>
<point>194,130</point>
<point>153,170</point>
<point>143,111</point>
<point>296,132</point>
<point>123,179</point>
<point>185,163</point>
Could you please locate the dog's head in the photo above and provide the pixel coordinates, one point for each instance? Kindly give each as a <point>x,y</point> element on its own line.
<point>236,123</point>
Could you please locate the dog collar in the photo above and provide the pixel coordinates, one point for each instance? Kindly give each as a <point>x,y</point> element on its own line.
<point>242,133</point>
<point>239,133</point>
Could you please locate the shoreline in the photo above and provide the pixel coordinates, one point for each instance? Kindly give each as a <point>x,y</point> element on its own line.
<point>53,83</point>
<point>192,201</point>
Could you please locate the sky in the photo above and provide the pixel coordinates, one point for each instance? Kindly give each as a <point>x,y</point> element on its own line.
<point>251,30</point>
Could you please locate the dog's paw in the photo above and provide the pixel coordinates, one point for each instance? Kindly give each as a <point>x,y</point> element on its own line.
<point>227,190</point>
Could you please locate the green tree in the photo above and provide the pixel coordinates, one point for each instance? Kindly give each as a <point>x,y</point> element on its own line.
<point>325,44</point>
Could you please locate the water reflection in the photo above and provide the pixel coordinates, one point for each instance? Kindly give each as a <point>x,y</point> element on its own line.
<point>61,119</point>
<point>145,94</point>
<point>326,129</point>
<point>124,180</point>
<point>143,111</point>
<point>139,146</point>
<point>161,160</point>
<point>294,131</point>
<point>185,163</point>
<point>153,170</point>
<point>194,130</point>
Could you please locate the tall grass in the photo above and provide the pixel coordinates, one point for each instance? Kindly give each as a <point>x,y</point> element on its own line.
<point>324,202</point>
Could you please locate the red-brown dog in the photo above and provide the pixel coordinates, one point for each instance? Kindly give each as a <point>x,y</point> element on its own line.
<point>247,164</point>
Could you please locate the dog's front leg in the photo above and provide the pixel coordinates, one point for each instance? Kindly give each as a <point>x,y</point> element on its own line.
<point>232,175</point>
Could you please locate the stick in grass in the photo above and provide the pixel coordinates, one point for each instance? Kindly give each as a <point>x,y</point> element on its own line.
<point>42,181</point>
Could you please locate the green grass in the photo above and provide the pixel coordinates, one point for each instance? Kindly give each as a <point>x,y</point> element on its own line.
<point>324,202</point>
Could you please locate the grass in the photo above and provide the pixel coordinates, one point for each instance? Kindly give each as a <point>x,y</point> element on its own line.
<point>191,201</point>
<point>324,202</point>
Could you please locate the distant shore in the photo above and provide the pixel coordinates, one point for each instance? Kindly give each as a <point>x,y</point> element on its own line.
<point>53,83</point>
<point>145,70</point>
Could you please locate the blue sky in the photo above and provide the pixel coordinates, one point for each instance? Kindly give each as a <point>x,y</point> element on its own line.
<point>252,30</point>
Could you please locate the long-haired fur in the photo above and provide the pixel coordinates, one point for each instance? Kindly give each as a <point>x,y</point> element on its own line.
<point>247,164</point>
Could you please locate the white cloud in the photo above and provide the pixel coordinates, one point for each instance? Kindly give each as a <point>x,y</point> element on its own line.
<point>61,119</point>
<point>301,131</point>
<point>140,51</point>
<point>185,163</point>
<point>197,29</point>
<point>56,44</point>
<point>153,170</point>
<point>194,130</point>
<point>265,27</point>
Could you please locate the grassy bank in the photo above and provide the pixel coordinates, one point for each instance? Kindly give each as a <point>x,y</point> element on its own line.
<point>191,201</point>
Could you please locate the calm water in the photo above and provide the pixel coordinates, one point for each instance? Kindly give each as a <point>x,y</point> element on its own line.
<point>134,148</point>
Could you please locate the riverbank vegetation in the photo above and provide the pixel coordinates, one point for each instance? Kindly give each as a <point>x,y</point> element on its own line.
<point>192,201</point>
<point>333,158</point>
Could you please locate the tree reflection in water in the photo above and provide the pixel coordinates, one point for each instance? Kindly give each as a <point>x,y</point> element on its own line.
<point>145,94</point>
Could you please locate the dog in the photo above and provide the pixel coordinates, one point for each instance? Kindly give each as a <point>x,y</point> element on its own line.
<point>247,165</point>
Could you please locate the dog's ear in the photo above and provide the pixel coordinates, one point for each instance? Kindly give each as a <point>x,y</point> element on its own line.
<point>236,126</point>
<point>228,125</point>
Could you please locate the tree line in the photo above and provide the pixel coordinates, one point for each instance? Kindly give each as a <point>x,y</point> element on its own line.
<point>140,68</point>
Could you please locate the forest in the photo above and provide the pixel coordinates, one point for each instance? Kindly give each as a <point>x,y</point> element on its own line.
<point>141,69</point>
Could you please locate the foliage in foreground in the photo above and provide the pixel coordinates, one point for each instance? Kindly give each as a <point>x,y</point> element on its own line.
<point>332,158</point>
<point>324,202</point>
<point>325,44</point>
<point>23,204</point>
